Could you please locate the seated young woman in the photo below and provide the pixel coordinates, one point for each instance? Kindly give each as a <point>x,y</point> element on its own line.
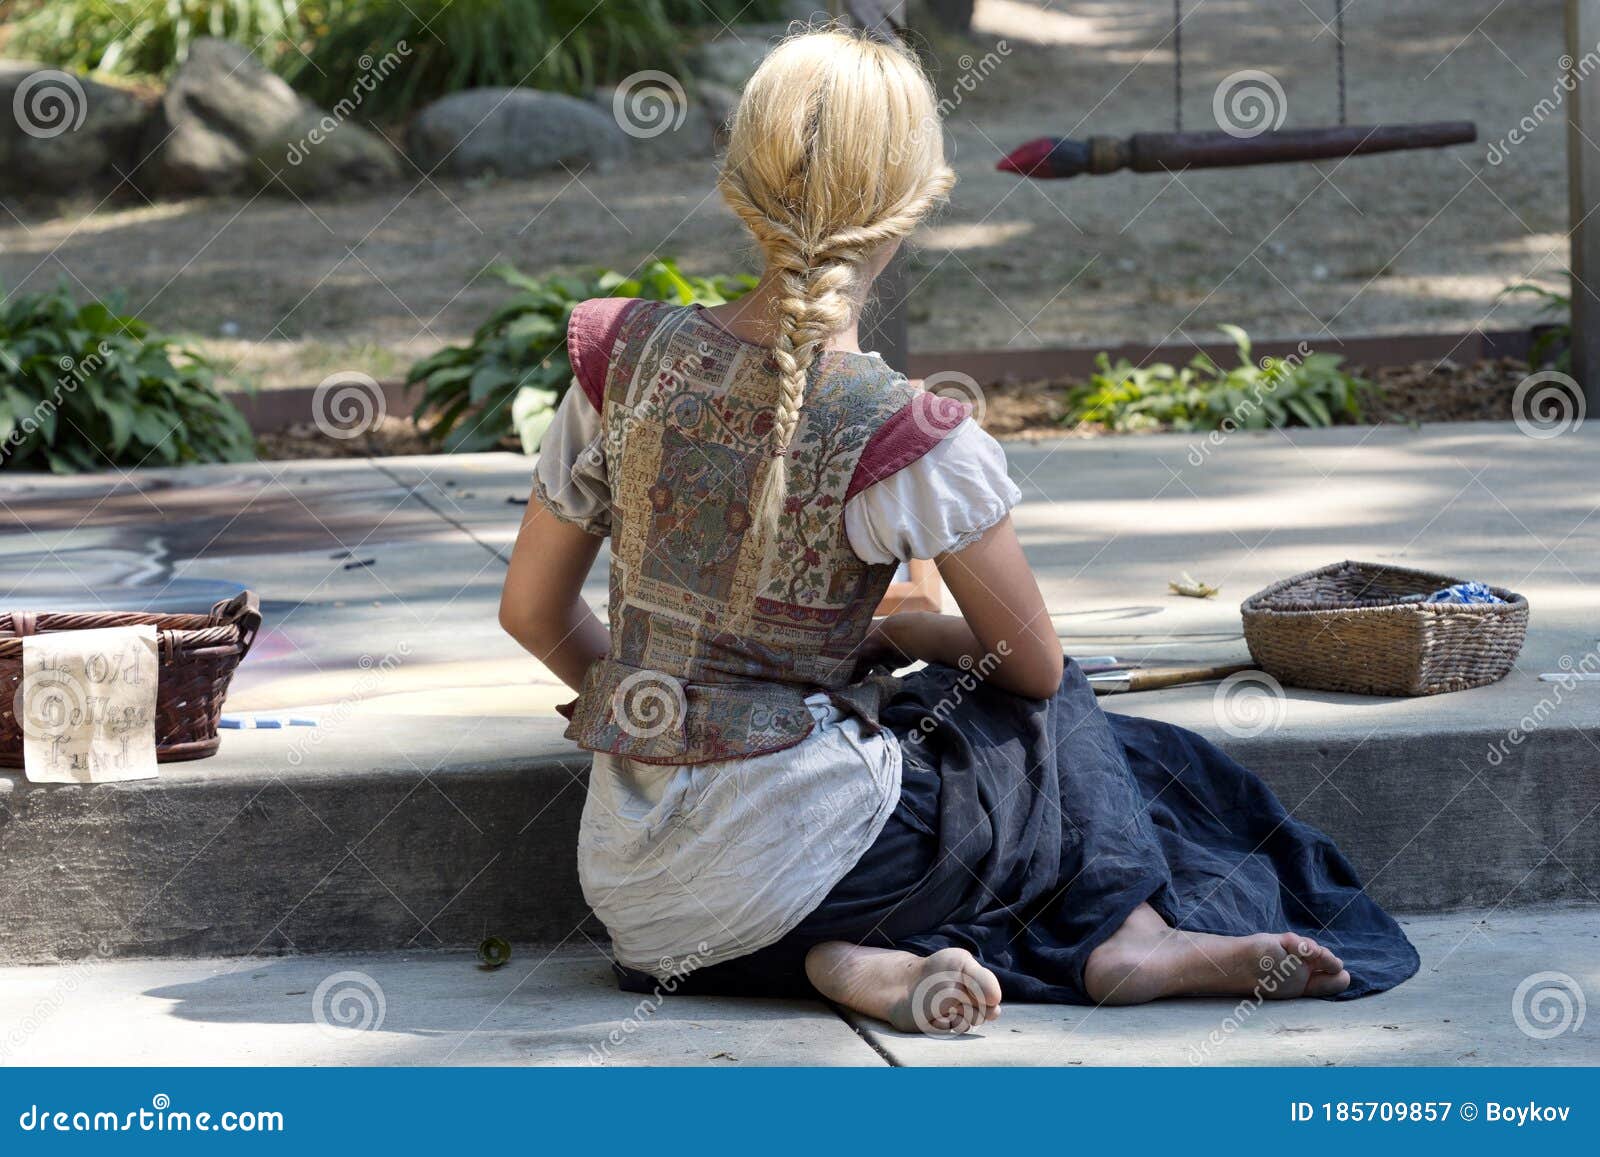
<point>769,812</point>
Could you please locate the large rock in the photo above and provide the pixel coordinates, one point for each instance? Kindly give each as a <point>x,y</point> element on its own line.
<point>316,154</point>
<point>61,133</point>
<point>221,106</point>
<point>514,132</point>
<point>663,124</point>
<point>731,58</point>
<point>227,123</point>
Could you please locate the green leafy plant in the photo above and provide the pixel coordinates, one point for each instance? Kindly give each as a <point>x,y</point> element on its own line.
<point>511,377</point>
<point>1552,344</point>
<point>148,37</point>
<point>569,45</point>
<point>1306,391</point>
<point>84,388</point>
<point>448,45</point>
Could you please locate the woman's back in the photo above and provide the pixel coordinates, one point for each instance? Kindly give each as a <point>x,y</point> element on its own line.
<point>729,620</point>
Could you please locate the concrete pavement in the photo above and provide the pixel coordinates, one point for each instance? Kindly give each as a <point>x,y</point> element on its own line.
<point>560,1008</point>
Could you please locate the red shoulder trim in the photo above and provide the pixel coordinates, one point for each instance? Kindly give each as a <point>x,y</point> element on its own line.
<point>591,332</point>
<point>913,430</point>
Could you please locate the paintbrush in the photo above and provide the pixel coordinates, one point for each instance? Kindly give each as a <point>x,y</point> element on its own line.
<point>1154,678</point>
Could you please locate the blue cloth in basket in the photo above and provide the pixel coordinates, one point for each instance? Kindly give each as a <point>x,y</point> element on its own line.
<point>1465,593</point>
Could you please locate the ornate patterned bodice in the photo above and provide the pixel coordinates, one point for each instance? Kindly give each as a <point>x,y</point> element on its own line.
<point>719,632</point>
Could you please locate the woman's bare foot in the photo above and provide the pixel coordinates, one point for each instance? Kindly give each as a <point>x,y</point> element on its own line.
<point>946,993</point>
<point>1147,959</point>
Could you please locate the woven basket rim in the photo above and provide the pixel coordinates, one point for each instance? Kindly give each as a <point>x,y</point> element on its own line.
<point>230,623</point>
<point>190,622</point>
<point>1258,603</point>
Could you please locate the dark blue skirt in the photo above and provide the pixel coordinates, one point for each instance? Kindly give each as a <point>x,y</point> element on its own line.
<point>1028,830</point>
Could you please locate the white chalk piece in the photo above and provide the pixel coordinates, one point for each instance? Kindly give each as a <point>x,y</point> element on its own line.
<point>256,722</point>
<point>88,705</point>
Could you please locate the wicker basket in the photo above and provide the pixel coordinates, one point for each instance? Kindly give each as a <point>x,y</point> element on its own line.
<point>197,656</point>
<point>1345,628</point>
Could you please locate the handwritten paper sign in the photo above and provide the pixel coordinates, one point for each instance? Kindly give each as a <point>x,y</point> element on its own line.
<point>87,705</point>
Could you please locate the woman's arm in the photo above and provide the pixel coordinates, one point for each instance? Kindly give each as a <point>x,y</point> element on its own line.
<point>541,605</point>
<point>1003,628</point>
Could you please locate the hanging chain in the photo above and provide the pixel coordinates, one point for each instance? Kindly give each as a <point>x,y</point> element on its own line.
<point>1338,33</point>
<point>1177,65</point>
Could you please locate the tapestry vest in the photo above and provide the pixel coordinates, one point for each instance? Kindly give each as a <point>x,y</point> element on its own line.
<point>718,633</point>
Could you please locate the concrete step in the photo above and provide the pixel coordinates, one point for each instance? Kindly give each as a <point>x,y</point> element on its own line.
<point>544,1008</point>
<point>438,803</point>
<point>434,832</point>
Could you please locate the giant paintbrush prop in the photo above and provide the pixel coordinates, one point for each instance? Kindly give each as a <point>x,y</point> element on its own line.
<point>1056,157</point>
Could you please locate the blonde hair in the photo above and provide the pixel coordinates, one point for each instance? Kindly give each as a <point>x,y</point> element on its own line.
<point>834,150</point>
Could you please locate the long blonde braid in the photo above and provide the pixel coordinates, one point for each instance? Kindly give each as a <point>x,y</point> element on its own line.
<point>835,151</point>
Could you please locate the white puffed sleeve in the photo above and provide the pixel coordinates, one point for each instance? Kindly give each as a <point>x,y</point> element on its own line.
<point>942,502</point>
<point>570,477</point>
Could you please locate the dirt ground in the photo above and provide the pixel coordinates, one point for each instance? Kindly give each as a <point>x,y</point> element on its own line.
<point>287,293</point>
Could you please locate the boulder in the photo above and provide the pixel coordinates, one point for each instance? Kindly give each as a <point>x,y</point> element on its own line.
<point>662,123</point>
<point>61,133</point>
<point>316,154</point>
<point>220,108</point>
<point>731,59</point>
<point>228,123</point>
<point>513,132</point>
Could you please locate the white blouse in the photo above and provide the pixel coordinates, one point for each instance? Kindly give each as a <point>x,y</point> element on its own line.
<point>696,864</point>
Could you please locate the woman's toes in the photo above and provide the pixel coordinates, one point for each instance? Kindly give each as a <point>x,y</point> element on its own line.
<point>1312,956</point>
<point>1316,957</point>
<point>1327,983</point>
<point>953,993</point>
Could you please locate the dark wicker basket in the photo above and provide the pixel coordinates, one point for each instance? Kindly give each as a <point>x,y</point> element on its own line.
<point>1346,627</point>
<point>197,656</point>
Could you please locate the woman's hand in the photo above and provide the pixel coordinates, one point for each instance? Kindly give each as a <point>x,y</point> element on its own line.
<point>879,648</point>
<point>928,637</point>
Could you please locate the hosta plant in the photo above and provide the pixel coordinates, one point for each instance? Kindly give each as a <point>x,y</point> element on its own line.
<point>1308,389</point>
<point>85,388</point>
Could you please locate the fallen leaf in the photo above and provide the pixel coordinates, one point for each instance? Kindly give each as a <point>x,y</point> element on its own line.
<point>1190,587</point>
